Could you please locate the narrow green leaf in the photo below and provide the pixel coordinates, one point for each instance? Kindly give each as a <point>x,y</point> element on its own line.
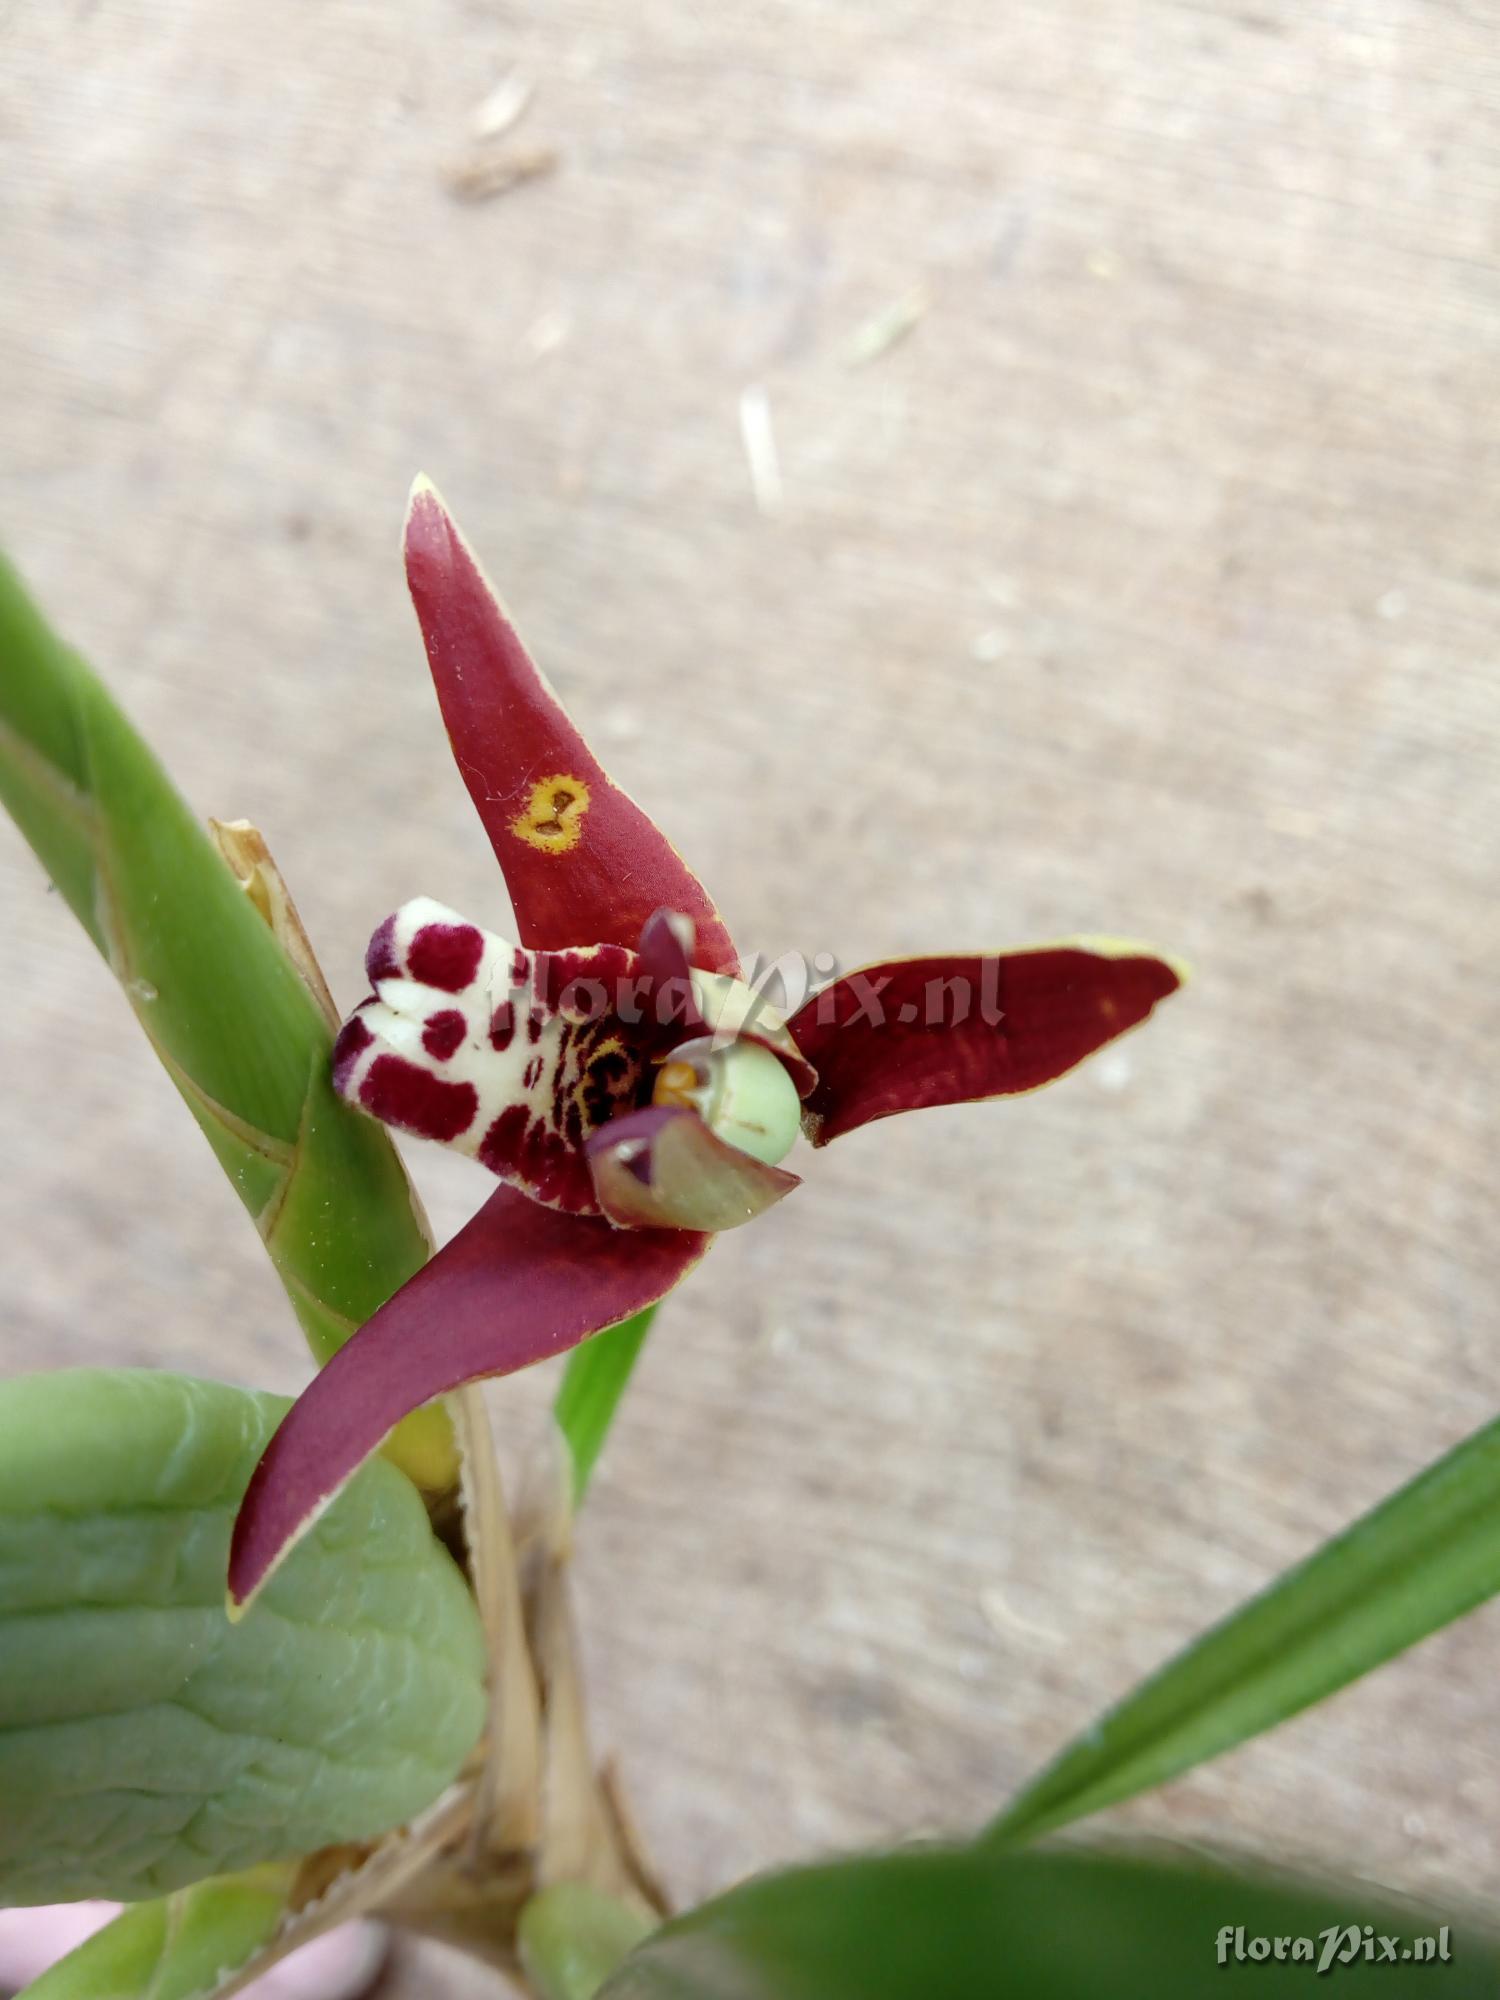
<point>177,1948</point>
<point>220,1000</point>
<point>145,1742</point>
<point>958,1924</point>
<point>1416,1562</point>
<point>590,1392</point>
<point>571,1938</point>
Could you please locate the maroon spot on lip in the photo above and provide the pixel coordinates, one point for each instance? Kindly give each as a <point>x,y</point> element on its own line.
<point>502,1025</point>
<point>443,1031</point>
<point>520,1148</point>
<point>380,954</point>
<point>353,1039</point>
<point>531,1076</point>
<point>446,956</point>
<point>400,1093</point>
<point>585,984</point>
<point>501,1149</point>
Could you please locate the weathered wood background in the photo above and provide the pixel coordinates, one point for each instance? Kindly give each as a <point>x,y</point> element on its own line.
<point>1149,585</point>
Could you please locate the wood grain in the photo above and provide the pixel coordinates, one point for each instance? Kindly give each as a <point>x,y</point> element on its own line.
<point>1148,585</point>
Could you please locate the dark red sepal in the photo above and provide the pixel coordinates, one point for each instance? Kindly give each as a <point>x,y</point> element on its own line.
<point>924,1031</point>
<point>517,1284</point>
<point>582,862</point>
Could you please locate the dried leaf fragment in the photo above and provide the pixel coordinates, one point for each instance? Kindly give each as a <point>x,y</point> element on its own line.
<point>482,174</point>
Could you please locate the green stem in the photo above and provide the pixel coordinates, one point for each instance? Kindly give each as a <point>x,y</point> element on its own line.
<point>218,997</point>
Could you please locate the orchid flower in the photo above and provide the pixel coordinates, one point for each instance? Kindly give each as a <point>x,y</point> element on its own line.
<point>630,1091</point>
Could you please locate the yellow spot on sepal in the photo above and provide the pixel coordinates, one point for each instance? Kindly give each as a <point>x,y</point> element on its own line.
<point>552,821</point>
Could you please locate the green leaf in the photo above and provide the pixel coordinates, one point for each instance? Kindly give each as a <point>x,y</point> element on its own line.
<point>590,1392</point>
<point>1420,1559</point>
<point>145,1742</point>
<point>958,1924</point>
<point>217,995</point>
<point>174,1949</point>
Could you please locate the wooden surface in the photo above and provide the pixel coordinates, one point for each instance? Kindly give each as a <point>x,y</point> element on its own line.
<point>1148,585</point>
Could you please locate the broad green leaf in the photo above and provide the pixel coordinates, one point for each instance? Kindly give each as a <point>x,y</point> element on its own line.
<point>963,1924</point>
<point>590,1392</point>
<point>1416,1562</point>
<point>218,997</point>
<point>571,1938</point>
<point>145,1742</point>
<point>176,1948</point>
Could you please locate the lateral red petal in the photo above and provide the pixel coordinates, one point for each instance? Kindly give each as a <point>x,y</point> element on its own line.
<point>580,858</point>
<point>517,1284</point>
<point>662,1168</point>
<point>923,1031</point>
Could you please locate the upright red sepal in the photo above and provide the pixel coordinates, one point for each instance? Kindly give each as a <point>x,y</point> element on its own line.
<point>582,862</point>
<point>517,1284</point>
<point>924,1031</point>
